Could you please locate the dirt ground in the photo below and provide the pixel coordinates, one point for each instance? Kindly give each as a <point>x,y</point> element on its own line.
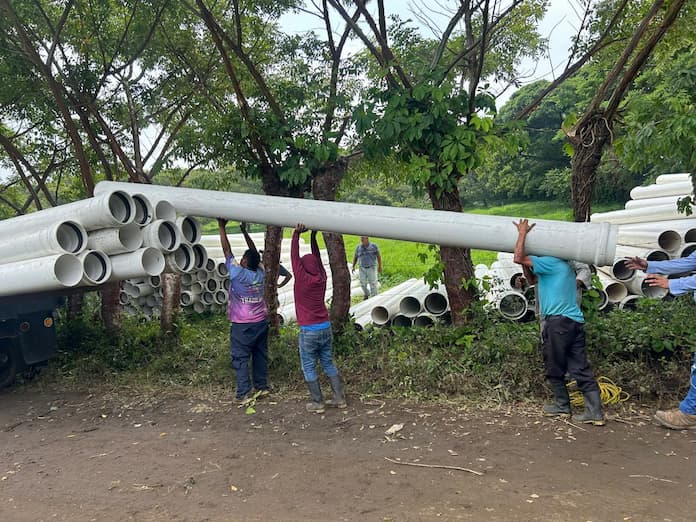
<point>101,456</point>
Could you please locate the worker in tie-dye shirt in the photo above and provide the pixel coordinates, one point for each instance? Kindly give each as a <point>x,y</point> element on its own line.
<point>248,317</point>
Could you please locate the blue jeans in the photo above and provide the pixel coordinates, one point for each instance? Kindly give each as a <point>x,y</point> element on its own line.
<point>316,344</point>
<point>249,341</point>
<point>688,405</point>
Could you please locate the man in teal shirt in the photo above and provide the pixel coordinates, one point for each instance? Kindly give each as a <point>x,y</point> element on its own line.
<point>562,332</point>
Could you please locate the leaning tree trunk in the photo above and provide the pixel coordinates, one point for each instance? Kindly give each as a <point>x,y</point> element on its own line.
<point>457,261</point>
<point>75,302</point>
<point>171,297</point>
<point>111,307</point>
<point>271,264</point>
<point>588,140</point>
<point>325,187</point>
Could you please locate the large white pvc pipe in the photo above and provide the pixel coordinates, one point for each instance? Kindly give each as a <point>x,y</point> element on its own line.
<point>651,202</point>
<point>673,178</point>
<point>651,254</point>
<point>629,302</point>
<point>163,235</point>
<point>639,286</point>
<point>63,237</point>
<point>618,271</point>
<point>146,261</point>
<point>436,301</point>
<point>615,290</point>
<point>41,273</point>
<point>116,240</point>
<point>181,260</point>
<point>111,208</point>
<point>668,240</point>
<point>383,312</point>
<point>639,215</point>
<point>164,210</point>
<point>512,305</point>
<point>402,321</point>
<point>213,240</point>
<point>190,229</point>
<point>144,211</point>
<point>423,320</point>
<point>685,250</point>
<point>507,271</point>
<point>666,189</point>
<point>412,304</point>
<point>96,267</point>
<point>200,256</point>
<point>585,242</point>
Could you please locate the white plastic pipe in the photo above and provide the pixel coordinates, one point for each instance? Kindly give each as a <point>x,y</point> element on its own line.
<point>116,240</point>
<point>181,260</point>
<point>220,297</point>
<point>200,256</point>
<point>146,261</point>
<point>512,305</point>
<point>585,242</point>
<point>383,312</point>
<point>367,305</point>
<point>144,211</point>
<point>639,286</point>
<point>661,190</point>
<point>436,301</point>
<point>402,321</point>
<point>638,215</point>
<point>685,250</point>
<point>63,237</point>
<point>164,210</point>
<point>673,178</point>
<point>650,202</point>
<point>96,267</point>
<point>186,298</point>
<point>412,304</point>
<point>614,289</point>
<point>111,208</point>
<point>41,273</point>
<point>163,235</point>
<point>651,254</point>
<point>667,240</point>
<point>618,271</point>
<point>190,229</point>
<point>424,320</point>
<point>629,302</point>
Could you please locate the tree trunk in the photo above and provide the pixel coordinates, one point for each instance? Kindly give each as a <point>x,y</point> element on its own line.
<point>171,295</point>
<point>588,141</point>
<point>271,263</point>
<point>111,307</point>
<point>457,261</point>
<point>75,302</point>
<point>324,187</point>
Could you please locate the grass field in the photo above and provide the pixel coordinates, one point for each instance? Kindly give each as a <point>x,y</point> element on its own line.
<point>401,258</point>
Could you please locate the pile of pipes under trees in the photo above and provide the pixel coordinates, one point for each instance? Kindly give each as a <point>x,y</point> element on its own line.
<point>650,227</point>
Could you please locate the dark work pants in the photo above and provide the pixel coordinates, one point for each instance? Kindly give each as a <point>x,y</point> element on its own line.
<point>563,350</point>
<point>249,341</point>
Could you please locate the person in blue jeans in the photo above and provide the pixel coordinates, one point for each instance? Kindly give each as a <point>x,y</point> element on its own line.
<point>316,338</point>
<point>248,318</point>
<point>683,417</point>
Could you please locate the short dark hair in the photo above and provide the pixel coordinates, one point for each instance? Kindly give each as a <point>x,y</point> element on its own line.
<point>253,259</point>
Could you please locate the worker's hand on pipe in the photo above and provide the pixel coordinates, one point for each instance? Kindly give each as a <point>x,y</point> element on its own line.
<point>243,226</point>
<point>657,280</point>
<point>636,263</point>
<point>299,228</point>
<point>523,226</point>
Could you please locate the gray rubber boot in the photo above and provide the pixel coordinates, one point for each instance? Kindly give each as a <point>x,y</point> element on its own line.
<point>339,398</point>
<point>317,404</point>
<point>593,410</point>
<point>561,404</point>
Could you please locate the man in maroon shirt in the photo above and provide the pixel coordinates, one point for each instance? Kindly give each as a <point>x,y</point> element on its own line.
<point>313,318</point>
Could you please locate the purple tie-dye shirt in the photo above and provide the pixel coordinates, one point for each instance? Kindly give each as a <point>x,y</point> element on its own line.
<point>246,303</point>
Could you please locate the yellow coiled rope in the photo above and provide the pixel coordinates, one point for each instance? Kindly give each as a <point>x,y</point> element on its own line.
<point>609,392</point>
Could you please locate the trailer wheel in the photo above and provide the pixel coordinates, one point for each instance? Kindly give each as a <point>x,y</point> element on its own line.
<point>8,366</point>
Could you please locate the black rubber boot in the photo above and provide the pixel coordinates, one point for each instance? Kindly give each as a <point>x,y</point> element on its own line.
<point>317,404</point>
<point>593,410</point>
<point>339,398</point>
<point>561,404</point>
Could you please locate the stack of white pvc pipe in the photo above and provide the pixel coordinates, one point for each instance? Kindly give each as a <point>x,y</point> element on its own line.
<point>650,227</point>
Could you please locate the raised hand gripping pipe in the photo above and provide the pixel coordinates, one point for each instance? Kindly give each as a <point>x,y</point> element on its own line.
<point>587,242</point>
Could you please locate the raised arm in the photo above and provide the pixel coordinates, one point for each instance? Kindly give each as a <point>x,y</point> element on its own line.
<point>247,237</point>
<point>315,250</point>
<point>224,242</point>
<point>520,256</point>
<point>295,248</point>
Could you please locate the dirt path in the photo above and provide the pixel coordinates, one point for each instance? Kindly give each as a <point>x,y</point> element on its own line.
<point>74,457</point>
